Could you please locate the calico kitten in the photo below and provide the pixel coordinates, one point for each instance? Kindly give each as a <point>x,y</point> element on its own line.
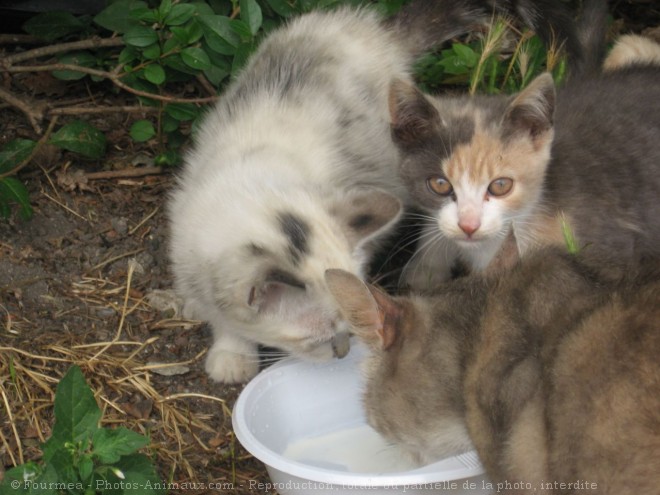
<point>293,172</point>
<point>550,370</point>
<point>587,154</point>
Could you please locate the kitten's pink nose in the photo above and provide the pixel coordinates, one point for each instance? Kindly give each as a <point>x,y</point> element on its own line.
<point>469,225</point>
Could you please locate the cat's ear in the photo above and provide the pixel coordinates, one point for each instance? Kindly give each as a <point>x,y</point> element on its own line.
<point>531,113</point>
<point>412,116</point>
<point>266,295</point>
<point>364,213</point>
<point>367,310</point>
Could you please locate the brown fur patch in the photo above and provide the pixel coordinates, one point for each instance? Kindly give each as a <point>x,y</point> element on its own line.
<point>486,158</point>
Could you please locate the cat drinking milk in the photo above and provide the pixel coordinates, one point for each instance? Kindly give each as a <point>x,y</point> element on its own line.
<point>549,369</point>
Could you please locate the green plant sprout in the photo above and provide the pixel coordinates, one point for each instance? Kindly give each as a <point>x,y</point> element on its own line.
<point>81,458</point>
<point>569,237</point>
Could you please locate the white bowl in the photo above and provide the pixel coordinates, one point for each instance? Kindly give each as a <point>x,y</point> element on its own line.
<point>313,414</point>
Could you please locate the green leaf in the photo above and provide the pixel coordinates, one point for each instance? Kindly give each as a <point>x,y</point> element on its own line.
<point>86,467</point>
<point>152,52</point>
<point>164,9</point>
<point>466,54</point>
<point>173,45</point>
<point>139,473</point>
<point>76,412</point>
<point>240,58</point>
<point>141,84</point>
<point>168,123</point>
<point>140,36</point>
<point>128,55</point>
<point>182,111</point>
<point>242,30</point>
<point>142,130</point>
<point>80,137</point>
<point>118,16</point>
<point>176,62</point>
<point>207,7</point>
<point>14,152</point>
<point>155,74</point>
<point>83,59</point>
<point>168,158</point>
<point>251,14</point>
<point>144,14</point>
<point>181,34</point>
<point>219,34</point>
<point>188,34</point>
<point>61,457</point>
<point>216,74</point>
<point>50,26</point>
<point>110,445</point>
<point>282,7</point>
<point>196,58</point>
<point>180,14</point>
<point>454,65</point>
<point>29,479</point>
<point>13,191</point>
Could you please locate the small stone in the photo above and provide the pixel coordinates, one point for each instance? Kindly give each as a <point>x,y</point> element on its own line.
<point>120,225</point>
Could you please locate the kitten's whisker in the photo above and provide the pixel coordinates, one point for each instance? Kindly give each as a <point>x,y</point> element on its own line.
<point>431,236</point>
<point>404,243</point>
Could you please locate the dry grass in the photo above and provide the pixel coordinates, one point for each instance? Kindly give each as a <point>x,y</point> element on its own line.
<point>183,426</point>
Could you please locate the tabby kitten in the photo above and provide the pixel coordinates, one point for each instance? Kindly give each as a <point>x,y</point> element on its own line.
<point>550,370</point>
<point>479,167</point>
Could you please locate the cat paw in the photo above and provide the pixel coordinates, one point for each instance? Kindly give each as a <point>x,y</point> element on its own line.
<point>229,367</point>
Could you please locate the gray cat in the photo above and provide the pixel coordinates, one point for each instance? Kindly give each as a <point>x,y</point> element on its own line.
<point>549,369</point>
<point>587,154</point>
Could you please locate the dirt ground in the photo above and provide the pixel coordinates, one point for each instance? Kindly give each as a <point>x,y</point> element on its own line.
<point>77,285</point>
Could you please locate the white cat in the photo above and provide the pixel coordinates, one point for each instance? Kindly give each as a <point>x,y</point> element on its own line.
<point>274,192</point>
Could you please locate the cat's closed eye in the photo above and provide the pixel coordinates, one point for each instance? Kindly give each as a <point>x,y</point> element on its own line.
<point>439,185</point>
<point>500,187</point>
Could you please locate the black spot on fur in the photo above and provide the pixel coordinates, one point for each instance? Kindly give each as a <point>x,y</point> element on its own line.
<point>256,250</point>
<point>297,232</point>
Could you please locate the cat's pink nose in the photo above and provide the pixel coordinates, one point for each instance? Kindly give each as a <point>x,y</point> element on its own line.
<point>469,226</point>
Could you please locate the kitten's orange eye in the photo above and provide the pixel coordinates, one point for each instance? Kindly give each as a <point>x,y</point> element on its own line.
<point>500,187</point>
<point>439,185</point>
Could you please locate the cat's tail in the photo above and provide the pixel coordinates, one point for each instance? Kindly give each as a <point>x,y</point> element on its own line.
<point>592,33</point>
<point>424,24</point>
<point>582,40</point>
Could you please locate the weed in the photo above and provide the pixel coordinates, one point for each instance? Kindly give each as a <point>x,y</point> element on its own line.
<point>500,61</point>
<point>82,458</point>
